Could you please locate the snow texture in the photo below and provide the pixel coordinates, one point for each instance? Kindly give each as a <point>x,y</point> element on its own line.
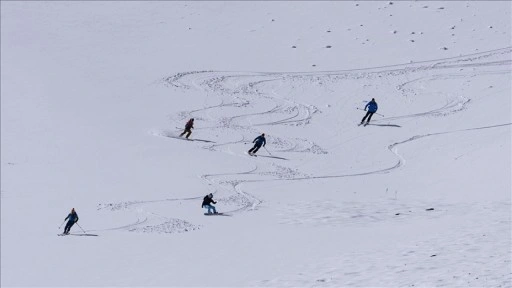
<point>94,96</point>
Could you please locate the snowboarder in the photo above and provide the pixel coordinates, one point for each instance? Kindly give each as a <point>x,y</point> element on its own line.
<point>207,200</point>
<point>258,142</point>
<point>72,219</point>
<point>372,108</point>
<point>188,127</point>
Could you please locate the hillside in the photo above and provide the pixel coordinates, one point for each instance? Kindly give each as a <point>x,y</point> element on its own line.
<point>94,95</point>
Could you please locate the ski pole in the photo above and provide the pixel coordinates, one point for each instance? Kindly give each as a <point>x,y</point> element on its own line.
<point>62,223</point>
<point>81,228</point>
<point>373,112</point>
<point>268,151</point>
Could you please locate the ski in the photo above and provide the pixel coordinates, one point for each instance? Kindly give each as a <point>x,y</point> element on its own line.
<point>76,234</point>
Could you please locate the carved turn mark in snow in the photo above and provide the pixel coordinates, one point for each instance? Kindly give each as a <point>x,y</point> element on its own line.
<point>249,102</point>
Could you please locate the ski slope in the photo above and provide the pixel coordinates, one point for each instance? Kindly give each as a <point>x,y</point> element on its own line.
<point>94,96</point>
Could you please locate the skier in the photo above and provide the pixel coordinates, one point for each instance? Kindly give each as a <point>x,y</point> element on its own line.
<point>188,127</point>
<point>72,219</point>
<point>207,200</point>
<point>258,141</point>
<point>372,108</point>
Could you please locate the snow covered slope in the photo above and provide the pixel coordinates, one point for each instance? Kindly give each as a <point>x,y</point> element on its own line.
<point>93,95</point>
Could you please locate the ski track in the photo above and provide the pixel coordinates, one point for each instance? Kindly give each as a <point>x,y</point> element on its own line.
<point>245,89</point>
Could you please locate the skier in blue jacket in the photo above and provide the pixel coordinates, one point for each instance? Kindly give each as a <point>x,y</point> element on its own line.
<point>372,108</point>
<point>258,142</point>
<point>72,219</point>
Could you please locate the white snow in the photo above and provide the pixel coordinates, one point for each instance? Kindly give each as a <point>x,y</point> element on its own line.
<point>92,94</point>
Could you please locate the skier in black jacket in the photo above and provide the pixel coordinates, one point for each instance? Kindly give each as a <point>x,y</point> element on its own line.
<point>207,200</point>
<point>258,142</point>
<point>188,128</point>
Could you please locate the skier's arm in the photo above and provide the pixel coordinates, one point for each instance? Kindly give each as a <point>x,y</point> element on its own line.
<point>264,142</point>
<point>66,217</point>
<point>76,218</point>
<point>365,107</point>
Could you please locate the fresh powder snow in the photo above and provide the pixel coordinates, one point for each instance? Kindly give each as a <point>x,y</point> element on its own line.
<point>94,96</point>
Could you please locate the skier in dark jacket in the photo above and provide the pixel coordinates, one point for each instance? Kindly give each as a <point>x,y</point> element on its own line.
<point>258,142</point>
<point>188,128</point>
<point>372,108</point>
<point>72,219</point>
<point>207,203</point>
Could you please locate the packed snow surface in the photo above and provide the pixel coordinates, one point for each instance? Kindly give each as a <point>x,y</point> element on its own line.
<point>94,96</point>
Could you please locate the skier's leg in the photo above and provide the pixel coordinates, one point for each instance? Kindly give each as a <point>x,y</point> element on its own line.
<point>371,114</point>
<point>364,118</point>
<point>66,229</point>
<point>256,150</point>
<point>183,133</point>
<point>214,210</point>
<point>209,209</point>
<point>252,149</point>
<point>71,225</point>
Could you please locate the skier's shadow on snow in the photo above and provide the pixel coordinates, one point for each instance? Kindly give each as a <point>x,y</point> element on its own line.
<point>274,157</point>
<point>187,139</point>
<point>386,125</point>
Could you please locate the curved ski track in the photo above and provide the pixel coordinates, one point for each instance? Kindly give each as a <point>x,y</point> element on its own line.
<point>244,89</point>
